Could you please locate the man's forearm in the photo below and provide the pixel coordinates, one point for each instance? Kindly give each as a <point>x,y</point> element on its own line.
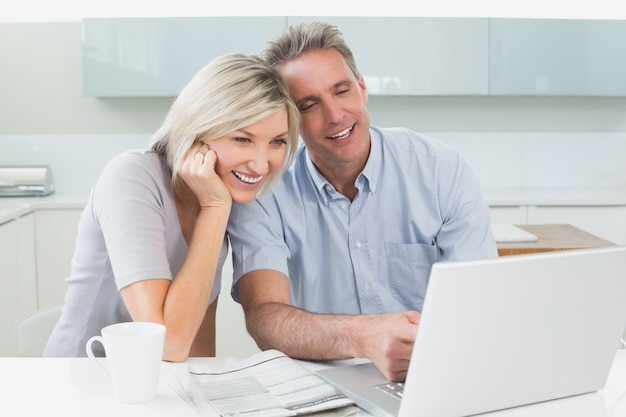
<point>303,335</point>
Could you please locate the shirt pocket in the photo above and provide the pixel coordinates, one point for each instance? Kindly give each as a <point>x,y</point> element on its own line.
<point>408,269</point>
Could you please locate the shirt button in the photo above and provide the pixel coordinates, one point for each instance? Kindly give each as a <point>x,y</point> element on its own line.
<point>343,204</point>
<point>366,286</point>
<point>358,244</point>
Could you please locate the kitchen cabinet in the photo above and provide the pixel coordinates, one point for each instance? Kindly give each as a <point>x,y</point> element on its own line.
<point>417,56</point>
<point>55,242</point>
<point>126,57</point>
<point>131,57</point>
<point>18,294</point>
<point>549,57</point>
<point>156,57</point>
<point>26,264</point>
<point>9,301</point>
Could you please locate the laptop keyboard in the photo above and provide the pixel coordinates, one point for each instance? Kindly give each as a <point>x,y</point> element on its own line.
<point>395,389</point>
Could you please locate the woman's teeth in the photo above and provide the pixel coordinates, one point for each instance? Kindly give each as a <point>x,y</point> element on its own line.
<point>247,179</point>
<point>342,134</point>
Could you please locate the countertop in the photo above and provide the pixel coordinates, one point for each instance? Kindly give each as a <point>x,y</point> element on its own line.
<point>552,237</point>
<point>14,207</point>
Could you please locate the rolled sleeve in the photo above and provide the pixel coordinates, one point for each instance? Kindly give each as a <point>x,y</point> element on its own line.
<point>256,239</point>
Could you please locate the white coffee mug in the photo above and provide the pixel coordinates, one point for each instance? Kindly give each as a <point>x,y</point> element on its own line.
<point>134,352</point>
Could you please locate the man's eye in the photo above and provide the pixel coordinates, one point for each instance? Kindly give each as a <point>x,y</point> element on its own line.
<point>306,106</point>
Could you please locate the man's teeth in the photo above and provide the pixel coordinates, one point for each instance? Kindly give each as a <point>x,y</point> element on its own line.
<point>247,179</point>
<point>342,134</point>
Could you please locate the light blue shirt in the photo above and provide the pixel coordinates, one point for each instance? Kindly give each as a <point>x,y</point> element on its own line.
<point>418,203</point>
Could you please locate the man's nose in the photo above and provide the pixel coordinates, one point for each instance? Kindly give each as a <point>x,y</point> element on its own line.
<point>333,112</point>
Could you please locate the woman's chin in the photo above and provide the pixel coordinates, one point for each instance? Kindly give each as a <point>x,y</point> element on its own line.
<point>243,197</point>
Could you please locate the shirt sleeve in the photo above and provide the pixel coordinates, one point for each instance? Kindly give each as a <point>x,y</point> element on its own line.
<point>257,239</point>
<point>466,230</point>
<point>128,205</point>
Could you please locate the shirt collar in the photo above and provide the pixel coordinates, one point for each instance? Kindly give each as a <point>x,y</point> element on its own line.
<point>372,168</point>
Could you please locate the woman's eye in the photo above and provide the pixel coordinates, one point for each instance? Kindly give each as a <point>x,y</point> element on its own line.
<point>279,142</point>
<point>241,139</point>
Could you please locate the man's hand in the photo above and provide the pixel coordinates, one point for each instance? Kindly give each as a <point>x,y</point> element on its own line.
<point>387,340</point>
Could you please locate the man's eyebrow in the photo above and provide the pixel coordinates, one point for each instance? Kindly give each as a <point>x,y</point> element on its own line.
<point>310,97</point>
<point>343,82</point>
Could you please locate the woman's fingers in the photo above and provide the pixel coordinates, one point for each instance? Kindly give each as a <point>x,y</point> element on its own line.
<point>202,150</point>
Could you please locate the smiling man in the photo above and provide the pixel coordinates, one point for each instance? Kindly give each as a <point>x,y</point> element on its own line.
<point>335,263</point>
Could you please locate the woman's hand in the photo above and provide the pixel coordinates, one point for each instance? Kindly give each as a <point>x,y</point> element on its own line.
<point>198,172</point>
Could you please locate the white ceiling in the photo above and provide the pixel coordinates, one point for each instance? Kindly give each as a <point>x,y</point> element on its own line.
<point>74,10</point>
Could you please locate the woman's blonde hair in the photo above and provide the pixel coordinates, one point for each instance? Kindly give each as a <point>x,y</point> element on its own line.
<point>231,92</point>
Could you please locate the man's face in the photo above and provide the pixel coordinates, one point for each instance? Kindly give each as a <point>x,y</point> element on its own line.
<point>332,102</point>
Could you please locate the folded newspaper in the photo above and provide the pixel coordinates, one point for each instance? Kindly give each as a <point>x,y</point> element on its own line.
<point>268,383</point>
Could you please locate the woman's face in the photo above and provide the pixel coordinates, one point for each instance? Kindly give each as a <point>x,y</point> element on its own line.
<point>247,157</point>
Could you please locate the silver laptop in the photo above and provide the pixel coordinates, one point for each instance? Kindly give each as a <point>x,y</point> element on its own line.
<point>506,332</point>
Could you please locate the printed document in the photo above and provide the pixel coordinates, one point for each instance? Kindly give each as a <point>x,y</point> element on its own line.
<point>268,383</point>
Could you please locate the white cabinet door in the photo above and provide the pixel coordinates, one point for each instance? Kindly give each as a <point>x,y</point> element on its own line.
<point>417,56</point>
<point>561,57</point>
<point>18,277</point>
<point>9,301</point>
<point>55,243</point>
<point>606,222</point>
<point>151,57</point>
<point>26,264</point>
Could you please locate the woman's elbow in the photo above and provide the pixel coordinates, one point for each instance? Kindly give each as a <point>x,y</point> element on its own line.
<point>175,353</point>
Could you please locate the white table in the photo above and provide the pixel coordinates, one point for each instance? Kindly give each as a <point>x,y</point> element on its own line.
<point>76,388</point>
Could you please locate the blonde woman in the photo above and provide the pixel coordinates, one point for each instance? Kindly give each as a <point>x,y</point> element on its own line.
<point>152,239</point>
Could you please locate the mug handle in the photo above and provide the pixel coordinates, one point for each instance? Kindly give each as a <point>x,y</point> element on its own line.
<point>88,349</point>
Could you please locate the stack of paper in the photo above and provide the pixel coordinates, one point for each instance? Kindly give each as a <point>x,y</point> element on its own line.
<point>267,384</point>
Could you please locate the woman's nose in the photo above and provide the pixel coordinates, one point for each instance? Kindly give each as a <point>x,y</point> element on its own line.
<point>260,161</point>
